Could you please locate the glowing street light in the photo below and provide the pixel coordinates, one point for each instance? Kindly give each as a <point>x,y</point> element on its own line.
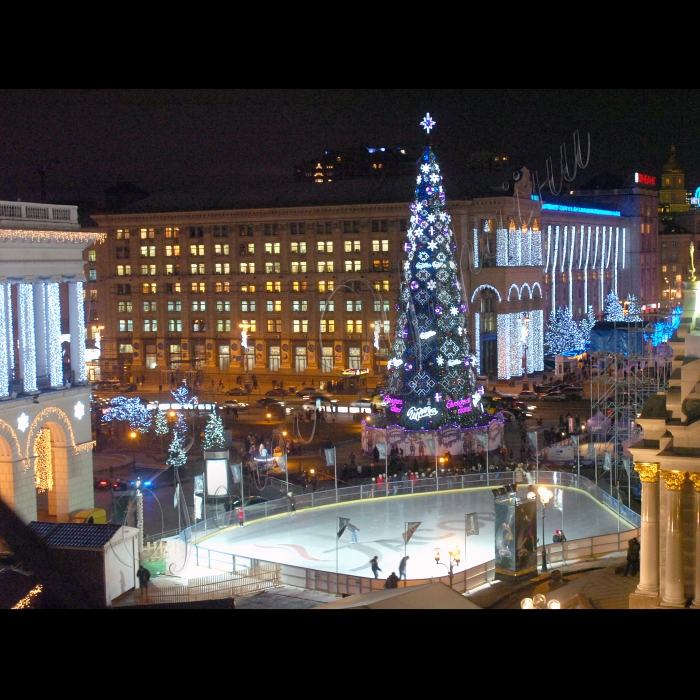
<point>455,556</point>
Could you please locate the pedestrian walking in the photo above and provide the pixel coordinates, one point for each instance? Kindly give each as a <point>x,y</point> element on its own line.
<point>392,581</point>
<point>402,567</point>
<point>374,563</point>
<point>353,533</point>
<point>632,566</point>
<point>314,483</point>
<point>144,576</point>
<point>241,516</point>
<point>292,502</point>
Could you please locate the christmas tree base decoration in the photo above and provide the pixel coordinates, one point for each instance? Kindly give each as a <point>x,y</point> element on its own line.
<point>431,397</point>
<point>433,444</point>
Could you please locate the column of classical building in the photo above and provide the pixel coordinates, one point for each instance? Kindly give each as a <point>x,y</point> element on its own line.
<point>27,336</point>
<point>649,532</point>
<point>53,333</point>
<point>76,313</point>
<point>40,327</point>
<point>674,593</point>
<point>695,478</point>
<point>7,360</point>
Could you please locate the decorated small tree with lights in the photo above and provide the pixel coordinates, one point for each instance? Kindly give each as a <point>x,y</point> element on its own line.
<point>177,457</point>
<point>613,308</point>
<point>214,434</point>
<point>430,374</point>
<point>634,313</point>
<point>585,325</point>
<point>562,333</point>
<point>182,397</point>
<point>129,409</point>
<point>161,424</point>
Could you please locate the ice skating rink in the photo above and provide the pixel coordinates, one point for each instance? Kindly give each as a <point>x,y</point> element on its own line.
<point>308,538</point>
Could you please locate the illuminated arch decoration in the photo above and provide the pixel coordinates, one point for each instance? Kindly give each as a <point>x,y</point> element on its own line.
<point>8,433</point>
<point>54,415</point>
<point>482,287</point>
<point>536,285</point>
<point>522,289</point>
<point>517,291</point>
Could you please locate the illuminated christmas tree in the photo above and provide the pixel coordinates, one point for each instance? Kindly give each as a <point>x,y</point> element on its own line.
<point>613,308</point>
<point>129,409</point>
<point>562,333</point>
<point>431,373</point>
<point>634,313</point>
<point>161,423</point>
<point>585,325</point>
<point>214,433</point>
<point>177,457</point>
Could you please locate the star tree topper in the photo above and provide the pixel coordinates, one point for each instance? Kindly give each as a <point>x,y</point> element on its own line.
<point>428,123</point>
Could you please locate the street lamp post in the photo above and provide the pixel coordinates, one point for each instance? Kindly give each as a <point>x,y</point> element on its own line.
<point>539,602</point>
<point>454,553</point>
<point>245,326</point>
<point>669,292</point>
<point>133,435</point>
<point>545,498</point>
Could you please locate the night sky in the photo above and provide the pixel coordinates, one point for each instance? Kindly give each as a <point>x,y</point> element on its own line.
<point>88,140</point>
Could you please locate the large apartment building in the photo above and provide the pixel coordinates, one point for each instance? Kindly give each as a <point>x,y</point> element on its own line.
<point>301,286</point>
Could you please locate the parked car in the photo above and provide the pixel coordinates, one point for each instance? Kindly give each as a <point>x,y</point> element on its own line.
<point>236,391</point>
<point>528,396</point>
<point>554,396</point>
<point>279,391</point>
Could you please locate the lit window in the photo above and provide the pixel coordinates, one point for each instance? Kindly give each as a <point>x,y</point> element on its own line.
<point>175,325</point>
<point>172,251</point>
<point>123,270</point>
<point>197,268</point>
<point>327,325</point>
<point>220,249</point>
<point>223,325</point>
<point>223,305</point>
<point>247,306</point>
<point>196,250</point>
<point>172,232</point>
<point>324,266</point>
<point>199,325</point>
<point>92,256</point>
<point>199,305</point>
<point>222,268</point>
<point>174,306</point>
<point>150,325</point>
<point>299,305</point>
<point>300,325</point>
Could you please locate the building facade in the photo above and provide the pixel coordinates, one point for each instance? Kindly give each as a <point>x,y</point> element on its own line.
<point>45,431</point>
<point>311,291</point>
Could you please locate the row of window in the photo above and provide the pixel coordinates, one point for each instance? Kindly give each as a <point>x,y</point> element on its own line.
<point>222,249</point>
<point>299,228</point>
<point>199,325</point>
<point>225,287</point>
<point>297,267</point>
<point>271,306</point>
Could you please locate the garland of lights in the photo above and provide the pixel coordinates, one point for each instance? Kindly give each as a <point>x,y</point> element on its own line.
<point>501,247</point>
<point>43,464</point>
<point>52,333</point>
<point>85,447</point>
<point>27,337</point>
<point>26,602</point>
<point>536,259</point>
<point>549,247</point>
<point>571,264</point>
<point>585,269</point>
<point>81,368</point>
<point>5,322</point>
<point>83,237</point>
<point>477,341</point>
<point>624,246</point>
<point>503,344</point>
<point>516,345</point>
<point>476,248</point>
<point>535,342</point>
<point>564,247</point>
<point>58,416</point>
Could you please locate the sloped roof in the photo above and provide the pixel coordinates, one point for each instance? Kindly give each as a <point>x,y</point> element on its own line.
<point>428,596</point>
<point>75,535</point>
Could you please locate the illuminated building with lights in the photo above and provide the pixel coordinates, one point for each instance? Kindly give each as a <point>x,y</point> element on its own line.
<point>45,431</point>
<point>313,274</point>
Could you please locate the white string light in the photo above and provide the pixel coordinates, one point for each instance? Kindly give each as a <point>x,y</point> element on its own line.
<point>564,248</point>
<point>503,345</point>
<point>617,243</point>
<point>83,237</point>
<point>571,264</point>
<point>52,321</point>
<point>535,345</point>
<point>536,244</point>
<point>476,247</point>
<point>501,247</point>
<point>549,247</point>
<point>27,336</point>
<point>80,367</point>
<point>477,341</point>
<point>4,367</point>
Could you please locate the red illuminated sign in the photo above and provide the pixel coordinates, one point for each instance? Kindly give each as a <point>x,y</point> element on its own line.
<point>645,179</point>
